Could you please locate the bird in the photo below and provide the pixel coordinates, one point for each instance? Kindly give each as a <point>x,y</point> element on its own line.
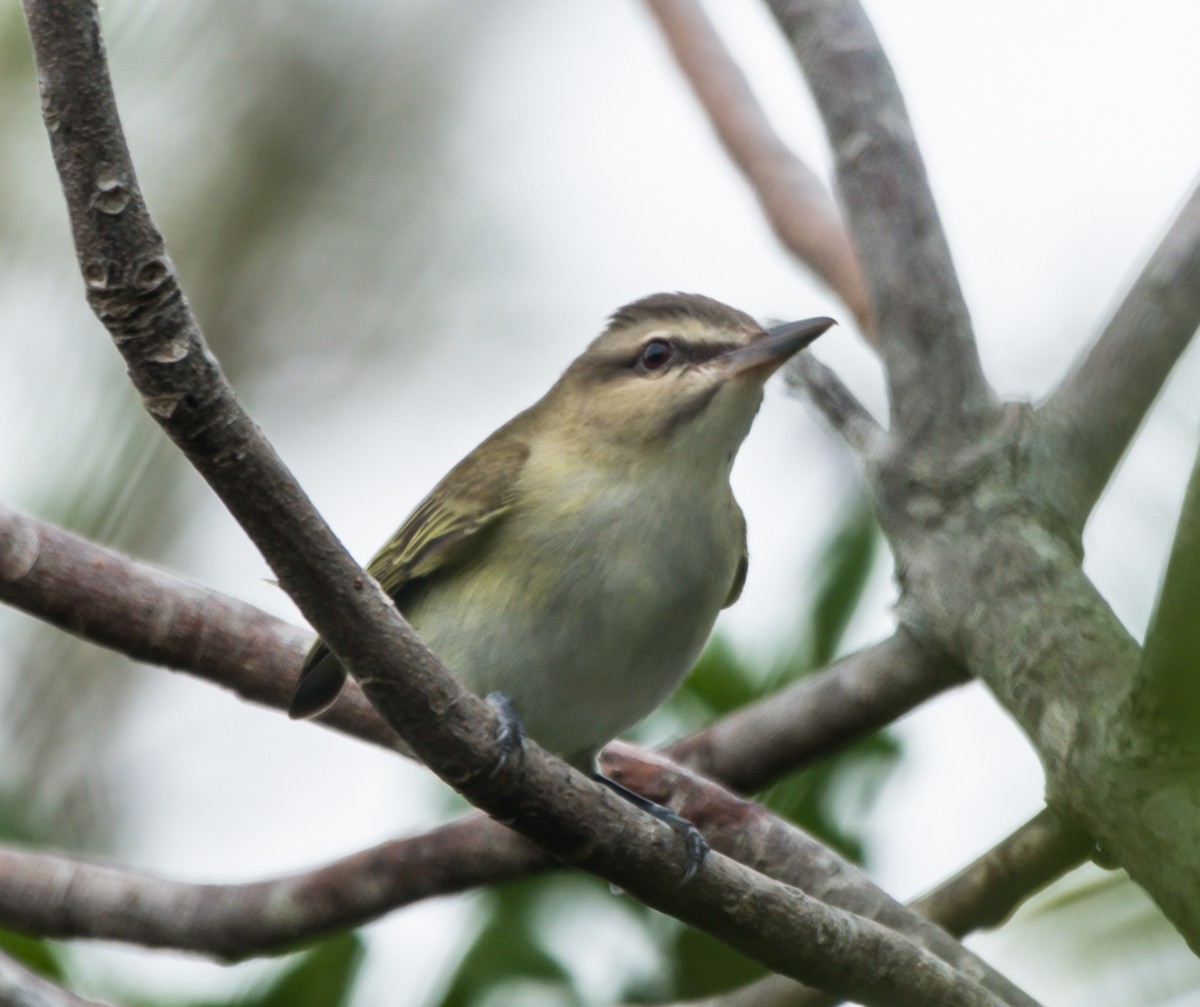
<point>571,567</point>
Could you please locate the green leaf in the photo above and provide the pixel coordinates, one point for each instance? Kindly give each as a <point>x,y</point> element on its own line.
<point>508,947</point>
<point>41,956</point>
<point>833,799</point>
<point>1170,680</point>
<point>321,977</point>
<point>840,575</point>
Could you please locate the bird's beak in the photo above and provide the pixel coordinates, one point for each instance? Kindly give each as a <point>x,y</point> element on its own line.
<point>768,352</point>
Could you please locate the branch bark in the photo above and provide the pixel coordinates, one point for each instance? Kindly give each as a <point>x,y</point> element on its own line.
<point>754,836</point>
<point>1089,420</point>
<point>150,615</point>
<point>792,198</point>
<point>849,418</point>
<point>57,896</point>
<point>920,316</point>
<point>982,895</point>
<point>821,713</point>
<point>133,289</point>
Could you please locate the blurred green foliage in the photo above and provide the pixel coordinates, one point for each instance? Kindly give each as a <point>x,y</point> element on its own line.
<point>1171,658</point>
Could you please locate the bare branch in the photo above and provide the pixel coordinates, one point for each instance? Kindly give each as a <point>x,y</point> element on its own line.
<point>792,198</point>
<point>21,988</point>
<point>133,289</point>
<point>150,615</point>
<point>56,896</point>
<point>61,897</point>
<point>920,317</point>
<point>982,895</point>
<point>753,836</point>
<point>154,615</point>
<point>848,417</point>
<point>823,712</point>
<point>1093,414</point>
<point>987,891</point>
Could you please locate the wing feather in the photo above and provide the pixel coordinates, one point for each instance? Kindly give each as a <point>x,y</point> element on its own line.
<point>473,496</point>
<point>743,567</point>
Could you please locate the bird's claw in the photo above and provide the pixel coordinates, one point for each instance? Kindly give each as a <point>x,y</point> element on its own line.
<point>510,733</point>
<point>694,843</point>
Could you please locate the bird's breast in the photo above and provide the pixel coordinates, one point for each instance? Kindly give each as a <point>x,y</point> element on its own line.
<point>589,610</point>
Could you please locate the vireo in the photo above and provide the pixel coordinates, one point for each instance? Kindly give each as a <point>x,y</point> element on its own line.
<point>576,560</point>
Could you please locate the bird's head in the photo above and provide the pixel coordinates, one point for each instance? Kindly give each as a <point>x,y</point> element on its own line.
<point>679,373</point>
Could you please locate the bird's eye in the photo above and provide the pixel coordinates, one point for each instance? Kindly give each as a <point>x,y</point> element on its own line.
<point>656,354</point>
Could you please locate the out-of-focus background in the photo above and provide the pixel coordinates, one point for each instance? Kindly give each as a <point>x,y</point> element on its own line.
<point>397,223</point>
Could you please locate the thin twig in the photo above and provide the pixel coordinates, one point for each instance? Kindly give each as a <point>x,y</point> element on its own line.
<point>1090,418</point>
<point>848,417</point>
<point>920,317</point>
<point>152,615</point>
<point>133,289</point>
<point>793,199</point>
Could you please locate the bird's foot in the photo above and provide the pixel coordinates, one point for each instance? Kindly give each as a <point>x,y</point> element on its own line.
<point>694,842</point>
<point>510,733</point>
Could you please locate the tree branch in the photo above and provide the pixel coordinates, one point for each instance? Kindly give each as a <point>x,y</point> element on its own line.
<point>792,198</point>
<point>989,889</point>
<point>753,836</point>
<point>50,895</point>
<point>1093,414</point>
<point>982,895</point>
<point>920,317</point>
<point>848,417</point>
<point>819,714</point>
<point>148,614</point>
<point>61,897</point>
<point>133,289</point>
<point>152,615</point>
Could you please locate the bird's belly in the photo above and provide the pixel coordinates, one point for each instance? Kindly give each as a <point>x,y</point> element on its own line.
<point>584,648</point>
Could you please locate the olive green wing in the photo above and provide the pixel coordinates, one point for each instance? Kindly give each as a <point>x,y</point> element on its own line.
<point>439,533</point>
<point>743,567</point>
<point>477,491</point>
